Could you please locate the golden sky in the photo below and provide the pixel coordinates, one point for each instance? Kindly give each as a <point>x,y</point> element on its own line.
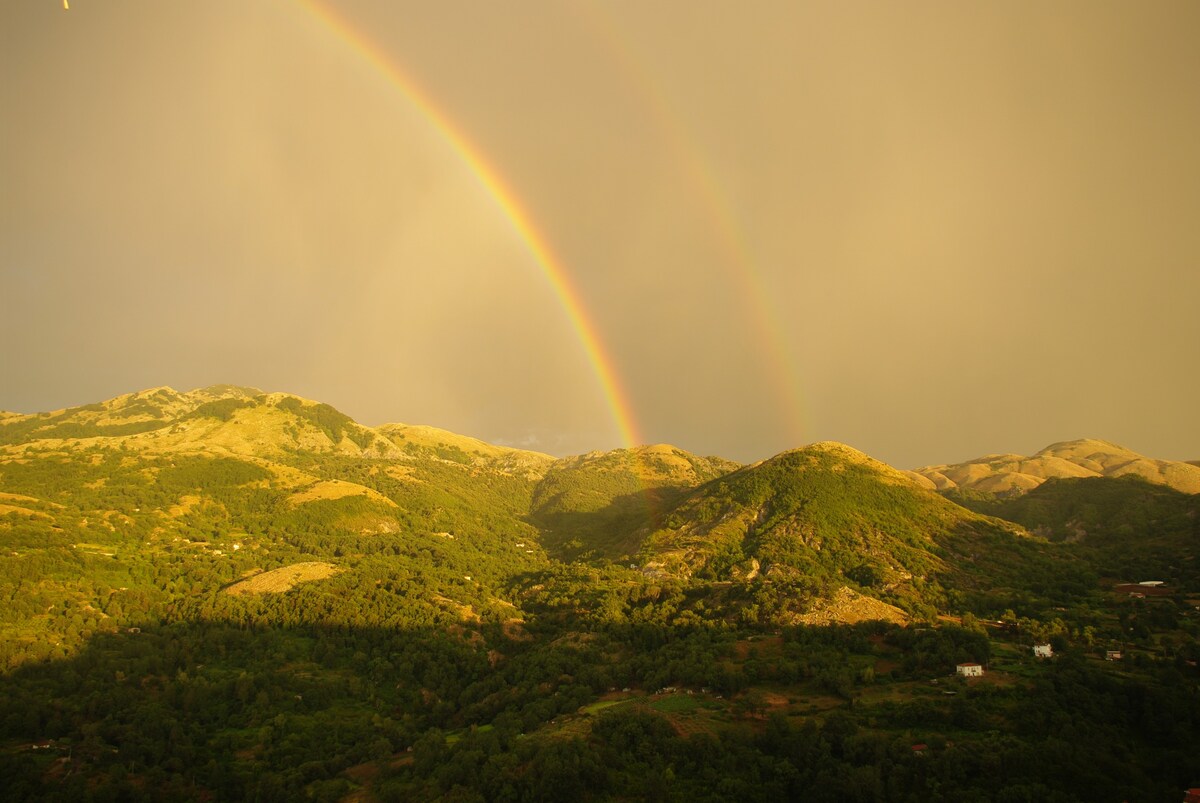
<point>930,230</point>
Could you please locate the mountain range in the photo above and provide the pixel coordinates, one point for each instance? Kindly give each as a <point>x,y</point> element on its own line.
<point>248,421</point>
<point>232,594</point>
<point>271,479</point>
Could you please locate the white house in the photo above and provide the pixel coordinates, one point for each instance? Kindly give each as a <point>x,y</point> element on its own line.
<point>1042,651</point>
<point>1112,655</point>
<point>969,670</point>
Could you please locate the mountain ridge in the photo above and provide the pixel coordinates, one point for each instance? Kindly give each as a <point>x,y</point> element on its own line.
<point>152,409</point>
<point>1084,457</point>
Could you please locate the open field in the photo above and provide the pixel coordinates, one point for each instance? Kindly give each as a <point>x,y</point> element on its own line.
<point>284,578</point>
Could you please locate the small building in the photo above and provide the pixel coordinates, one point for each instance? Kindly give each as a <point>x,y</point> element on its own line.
<point>1042,651</point>
<point>969,670</point>
<point>1112,655</point>
<point>919,749</point>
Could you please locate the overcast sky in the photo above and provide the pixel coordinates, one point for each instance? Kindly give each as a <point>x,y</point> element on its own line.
<point>931,230</point>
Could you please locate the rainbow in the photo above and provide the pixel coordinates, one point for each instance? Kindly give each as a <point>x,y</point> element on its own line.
<point>736,253</point>
<point>616,396</point>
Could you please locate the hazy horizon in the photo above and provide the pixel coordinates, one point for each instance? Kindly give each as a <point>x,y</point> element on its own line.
<point>931,232</point>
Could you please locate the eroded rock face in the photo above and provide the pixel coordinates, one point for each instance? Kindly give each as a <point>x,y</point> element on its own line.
<point>848,607</point>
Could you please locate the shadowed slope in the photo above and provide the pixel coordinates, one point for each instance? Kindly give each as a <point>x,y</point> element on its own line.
<point>593,504</point>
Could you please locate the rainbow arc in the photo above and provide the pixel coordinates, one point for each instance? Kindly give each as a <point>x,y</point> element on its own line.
<point>616,396</point>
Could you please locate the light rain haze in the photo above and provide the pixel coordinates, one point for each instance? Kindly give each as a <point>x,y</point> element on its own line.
<point>931,230</point>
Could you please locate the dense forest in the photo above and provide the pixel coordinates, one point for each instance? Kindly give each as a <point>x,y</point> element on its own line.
<point>487,624</point>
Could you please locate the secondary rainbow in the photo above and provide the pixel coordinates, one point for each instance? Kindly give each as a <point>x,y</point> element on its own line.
<point>493,182</point>
<point>761,310</point>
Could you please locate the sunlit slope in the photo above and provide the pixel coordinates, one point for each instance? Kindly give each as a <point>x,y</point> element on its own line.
<point>829,517</point>
<point>222,483</point>
<point>245,421</point>
<point>311,455</point>
<point>825,509</point>
<point>131,413</point>
<point>593,504</point>
<point>426,441</point>
<point>1010,473</point>
<point>221,417</point>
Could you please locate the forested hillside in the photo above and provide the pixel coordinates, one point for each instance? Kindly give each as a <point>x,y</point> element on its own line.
<point>595,504</point>
<point>227,594</point>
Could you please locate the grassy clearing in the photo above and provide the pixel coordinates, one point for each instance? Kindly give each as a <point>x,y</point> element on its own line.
<point>284,578</point>
<point>336,489</point>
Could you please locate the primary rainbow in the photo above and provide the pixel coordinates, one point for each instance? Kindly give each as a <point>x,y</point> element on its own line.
<point>552,268</point>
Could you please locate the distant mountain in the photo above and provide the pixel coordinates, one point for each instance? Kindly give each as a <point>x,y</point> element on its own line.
<point>129,414</point>
<point>1010,473</point>
<point>1127,527</point>
<point>246,421</point>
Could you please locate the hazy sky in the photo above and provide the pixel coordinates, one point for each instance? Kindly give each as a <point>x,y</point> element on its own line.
<point>930,230</point>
